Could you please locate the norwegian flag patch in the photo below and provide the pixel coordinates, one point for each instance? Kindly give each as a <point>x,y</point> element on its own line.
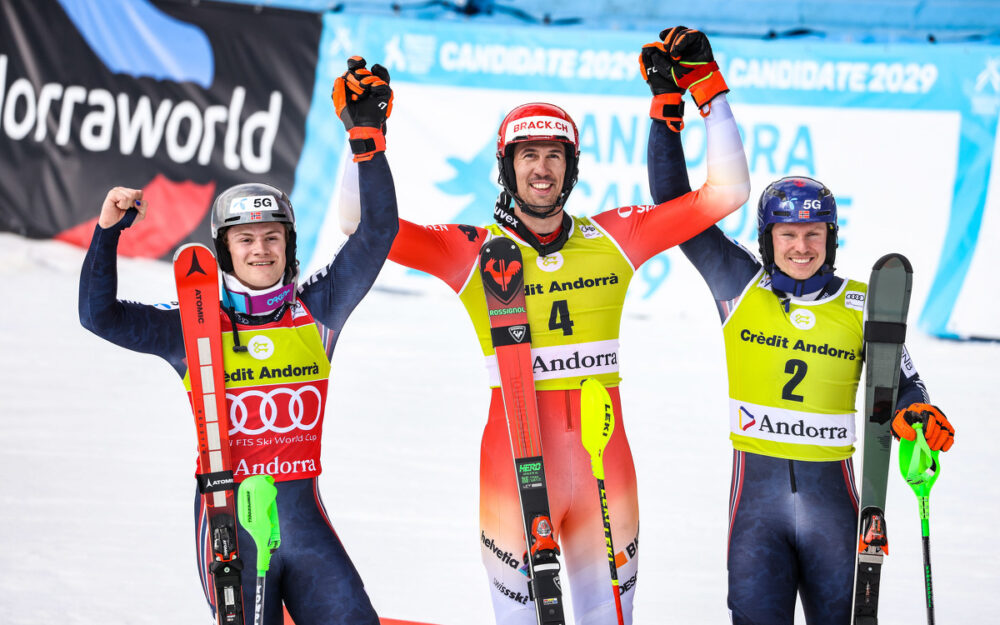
<point>256,216</point>
<point>803,214</point>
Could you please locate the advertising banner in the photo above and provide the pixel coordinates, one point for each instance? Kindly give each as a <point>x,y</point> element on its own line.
<point>175,99</point>
<point>904,135</point>
<point>184,100</point>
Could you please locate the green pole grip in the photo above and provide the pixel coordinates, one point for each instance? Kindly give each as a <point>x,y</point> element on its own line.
<point>918,464</point>
<point>258,513</point>
<point>920,468</point>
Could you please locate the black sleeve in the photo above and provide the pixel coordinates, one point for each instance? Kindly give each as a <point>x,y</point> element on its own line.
<point>332,293</point>
<point>912,389</point>
<point>134,326</point>
<point>667,169</point>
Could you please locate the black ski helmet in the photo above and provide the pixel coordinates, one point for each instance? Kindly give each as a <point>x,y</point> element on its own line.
<point>253,202</point>
<point>795,200</point>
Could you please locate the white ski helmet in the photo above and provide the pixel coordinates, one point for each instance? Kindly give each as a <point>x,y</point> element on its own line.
<point>253,202</point>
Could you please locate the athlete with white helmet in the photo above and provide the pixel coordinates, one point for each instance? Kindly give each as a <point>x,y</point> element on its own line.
<point>278,338</point>
<point>576,272</point>
<point>793,332</point>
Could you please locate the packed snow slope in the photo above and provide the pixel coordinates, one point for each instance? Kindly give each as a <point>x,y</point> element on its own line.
<point>98,450</point>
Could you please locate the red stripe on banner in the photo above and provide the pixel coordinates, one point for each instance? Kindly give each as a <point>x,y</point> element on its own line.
<point>175,210</point>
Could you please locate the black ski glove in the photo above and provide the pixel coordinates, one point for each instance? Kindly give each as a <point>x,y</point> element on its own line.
<point>363,101</point>
<point>694,66</point>
<point>657,70</point>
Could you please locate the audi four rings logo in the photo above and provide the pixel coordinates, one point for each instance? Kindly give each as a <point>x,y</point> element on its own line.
<point>267,410</point>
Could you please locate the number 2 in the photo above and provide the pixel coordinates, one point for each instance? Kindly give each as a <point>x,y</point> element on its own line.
<point>798,370</point>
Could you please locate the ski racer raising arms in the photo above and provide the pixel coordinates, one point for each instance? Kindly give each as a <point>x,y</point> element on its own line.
<point>576,272</point>
<point>275,394</point>
<point>793,503</point>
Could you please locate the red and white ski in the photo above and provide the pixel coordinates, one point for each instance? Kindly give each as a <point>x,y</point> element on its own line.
<point>502,271</point>
<point>197,276</point>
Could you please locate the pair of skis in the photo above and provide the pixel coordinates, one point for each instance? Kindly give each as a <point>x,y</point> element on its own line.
<point>197,277</point>
<point>885,329</point>
<point>502,270</point>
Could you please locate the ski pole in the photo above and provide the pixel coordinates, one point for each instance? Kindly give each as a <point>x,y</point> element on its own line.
<point>597,422</point>
<point>920,468</point>
<point>258,512</point>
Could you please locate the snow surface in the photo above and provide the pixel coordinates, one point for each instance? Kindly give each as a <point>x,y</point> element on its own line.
<point>98,454</point>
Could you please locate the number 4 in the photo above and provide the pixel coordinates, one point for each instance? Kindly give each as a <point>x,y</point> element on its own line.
<point>559,318</point>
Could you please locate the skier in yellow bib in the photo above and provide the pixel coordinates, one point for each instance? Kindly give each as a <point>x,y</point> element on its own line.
<point>794,349</point>
<point>576,273</point>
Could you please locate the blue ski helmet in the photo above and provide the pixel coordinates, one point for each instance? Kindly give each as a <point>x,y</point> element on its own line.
<point>253,202</point>
<point>795,200</point>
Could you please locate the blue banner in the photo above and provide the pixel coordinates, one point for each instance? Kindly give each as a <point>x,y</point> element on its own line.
<point>902,133</point>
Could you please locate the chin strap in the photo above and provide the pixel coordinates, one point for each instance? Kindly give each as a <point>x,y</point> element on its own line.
<point>506,218</point>
<point>538,211</point>
<point>780,281</point>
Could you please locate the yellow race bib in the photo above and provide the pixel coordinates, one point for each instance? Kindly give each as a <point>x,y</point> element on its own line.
<point>574,301</point>
<point>793,374</point>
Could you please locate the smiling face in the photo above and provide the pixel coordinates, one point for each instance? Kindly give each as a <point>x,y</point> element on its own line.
<point>539,168</point>
<point>799,249</point>
<point>258,252</point>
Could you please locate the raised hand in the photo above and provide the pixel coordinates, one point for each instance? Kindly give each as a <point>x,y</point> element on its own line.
<point>657,70</point>
<point>363,101</point>
<point>118,201</point>
<point>694,67</point>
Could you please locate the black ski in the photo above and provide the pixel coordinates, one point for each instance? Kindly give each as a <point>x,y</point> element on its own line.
<point>888,301</point>
<point>502,271</point>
